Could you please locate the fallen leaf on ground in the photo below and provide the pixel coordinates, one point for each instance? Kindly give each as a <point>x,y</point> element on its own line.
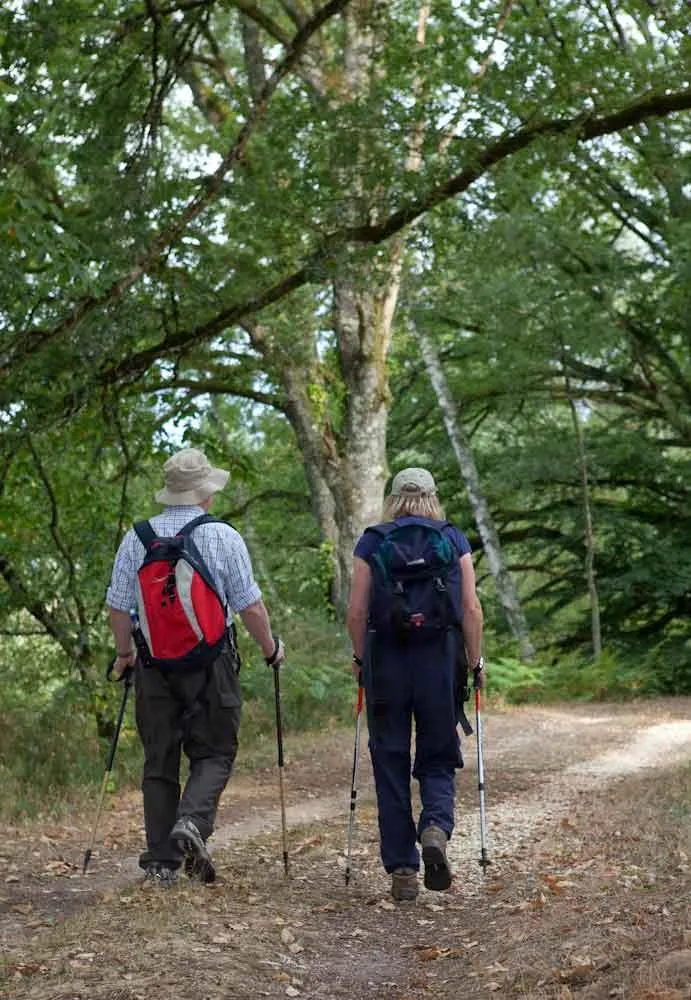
<point>431,953</point>
<point>311,842</point>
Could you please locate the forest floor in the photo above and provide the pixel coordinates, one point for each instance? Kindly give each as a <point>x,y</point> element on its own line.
<point>588,895</point>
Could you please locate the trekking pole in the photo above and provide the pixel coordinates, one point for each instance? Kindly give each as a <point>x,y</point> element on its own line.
<point>356,773</point>
<point>127,678</point>
<point>484,860</point>
<point>279,740</point>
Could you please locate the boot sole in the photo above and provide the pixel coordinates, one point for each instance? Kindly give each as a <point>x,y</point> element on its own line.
<point>198,863</point>
<point>198,868</point>
<point>437,871</point>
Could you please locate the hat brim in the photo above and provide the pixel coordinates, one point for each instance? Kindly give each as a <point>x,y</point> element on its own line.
<point>214,483</point>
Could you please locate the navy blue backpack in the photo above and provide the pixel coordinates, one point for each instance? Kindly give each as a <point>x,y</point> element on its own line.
<point>416,594</point>
<point>416,581</point>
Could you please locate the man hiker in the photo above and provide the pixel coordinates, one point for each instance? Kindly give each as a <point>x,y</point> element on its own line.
<point>179,578</point>
<point>415,623</point>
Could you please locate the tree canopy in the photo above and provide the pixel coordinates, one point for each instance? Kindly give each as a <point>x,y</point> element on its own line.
<point>222,221</point>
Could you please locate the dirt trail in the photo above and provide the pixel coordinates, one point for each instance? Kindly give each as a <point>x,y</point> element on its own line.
<point>589,833</point>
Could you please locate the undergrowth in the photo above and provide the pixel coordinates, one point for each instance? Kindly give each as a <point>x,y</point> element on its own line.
<point>50,754</point>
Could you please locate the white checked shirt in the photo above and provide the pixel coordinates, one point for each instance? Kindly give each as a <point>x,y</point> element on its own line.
<point>220,546</point>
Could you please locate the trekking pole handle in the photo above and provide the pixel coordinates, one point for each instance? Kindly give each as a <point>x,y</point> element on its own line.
<point>271,660</point>
<point>125,676</point>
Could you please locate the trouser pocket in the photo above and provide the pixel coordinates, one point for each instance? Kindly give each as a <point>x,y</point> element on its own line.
<point>223,704</point>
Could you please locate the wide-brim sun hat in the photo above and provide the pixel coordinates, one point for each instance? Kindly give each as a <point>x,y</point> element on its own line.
<point>190,478</point>
<point>413,481</point>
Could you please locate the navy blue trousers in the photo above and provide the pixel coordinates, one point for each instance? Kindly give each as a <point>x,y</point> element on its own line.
<point>406,685</point>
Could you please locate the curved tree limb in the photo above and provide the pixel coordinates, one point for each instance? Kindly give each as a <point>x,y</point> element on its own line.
<point>583,129</point>
<point>33,340</point>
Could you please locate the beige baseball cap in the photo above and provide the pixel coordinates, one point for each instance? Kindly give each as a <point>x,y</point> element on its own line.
<point>190,478</point>
<point>413,481</point>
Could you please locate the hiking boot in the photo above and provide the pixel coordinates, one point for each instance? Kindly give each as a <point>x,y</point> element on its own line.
<point>437,871</point>
<point>198,863</point>
<point>404,884</point>
<point>160,876</point>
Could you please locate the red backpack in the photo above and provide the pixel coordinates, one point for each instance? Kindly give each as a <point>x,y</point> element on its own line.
<point>181,614</point>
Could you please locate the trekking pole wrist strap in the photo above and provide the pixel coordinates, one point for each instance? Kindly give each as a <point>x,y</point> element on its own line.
<point>270,660</point>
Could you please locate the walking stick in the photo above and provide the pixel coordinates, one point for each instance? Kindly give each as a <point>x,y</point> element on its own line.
<point>354,779</point>
<point>279,740</point>
<point>484,860</point>
<point>127,678</point>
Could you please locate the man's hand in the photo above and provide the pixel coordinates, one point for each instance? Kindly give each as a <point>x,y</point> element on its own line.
<point>278,655</point>
<point>123,663</point>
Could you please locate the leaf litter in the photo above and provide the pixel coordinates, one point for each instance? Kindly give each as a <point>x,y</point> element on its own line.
<point>566,840</point>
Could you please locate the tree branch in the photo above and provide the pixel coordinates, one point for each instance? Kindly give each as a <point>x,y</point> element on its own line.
<point>209,188</point>
<point>299,502</point>
<point>254,13</point>
<point>56,536</point>
<point>34,607</point>
<point>215,387</point>
<point>583,129</point>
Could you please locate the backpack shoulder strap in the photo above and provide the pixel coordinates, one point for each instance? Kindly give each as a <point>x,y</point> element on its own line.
<point>188,528</point>
<point>381,532</point>
<point>145,533</point>
<point>202,519</point>
<point>191,548</point>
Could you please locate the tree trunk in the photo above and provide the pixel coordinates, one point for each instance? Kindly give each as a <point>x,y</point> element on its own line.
<point>589,536</point>
<point>483,517</point>
<point>345,465</point>
<point>347,469</point>
<point>254,545</point>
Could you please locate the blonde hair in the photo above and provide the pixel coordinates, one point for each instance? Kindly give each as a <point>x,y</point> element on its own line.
<point>412,504</point>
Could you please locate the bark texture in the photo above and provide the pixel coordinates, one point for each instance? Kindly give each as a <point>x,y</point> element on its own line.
<point>589,535</point>
<point>484,521</point>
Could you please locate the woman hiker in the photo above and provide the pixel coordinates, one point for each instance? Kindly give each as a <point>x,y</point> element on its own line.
<point>415,623</point>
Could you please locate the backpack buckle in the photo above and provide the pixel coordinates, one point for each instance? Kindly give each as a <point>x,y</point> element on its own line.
<point>417,619</point>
